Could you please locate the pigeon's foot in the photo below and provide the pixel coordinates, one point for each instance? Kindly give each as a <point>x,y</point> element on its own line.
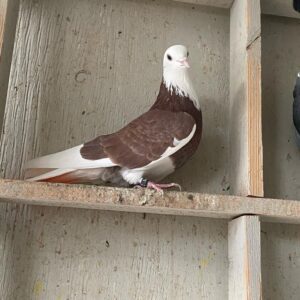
<point>159,187</point>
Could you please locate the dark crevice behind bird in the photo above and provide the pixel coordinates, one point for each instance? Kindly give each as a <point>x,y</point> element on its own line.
<point>296,109</point>
<point>297,5</point>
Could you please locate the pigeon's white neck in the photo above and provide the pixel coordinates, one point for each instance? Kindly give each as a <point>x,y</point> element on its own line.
<point>178,81</point>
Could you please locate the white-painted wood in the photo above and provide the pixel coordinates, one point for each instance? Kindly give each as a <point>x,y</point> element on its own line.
<point>238,133</point>
<point>244,255</point>
<point>279,8</point>
<point>280,261</point>
<point>59,253</point>
<point>280,65</point>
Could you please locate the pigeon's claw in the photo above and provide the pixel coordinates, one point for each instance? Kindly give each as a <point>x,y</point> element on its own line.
<point>159,187</point>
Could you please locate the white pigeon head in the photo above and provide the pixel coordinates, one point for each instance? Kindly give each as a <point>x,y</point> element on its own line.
<point>176,57</point>
<point>175,73</point>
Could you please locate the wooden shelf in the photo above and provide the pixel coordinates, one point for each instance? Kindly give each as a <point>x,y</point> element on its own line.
<point>146,201</point>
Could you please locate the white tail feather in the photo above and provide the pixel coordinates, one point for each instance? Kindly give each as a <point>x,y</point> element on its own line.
<point>51,174</point>
<point>68,159</point>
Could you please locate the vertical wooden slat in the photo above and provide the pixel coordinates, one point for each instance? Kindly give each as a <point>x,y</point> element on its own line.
<point>244,254</point>
<point>8,20</point>
<point>255,119</point>
<point>255,149</point>
<point>245,99</point>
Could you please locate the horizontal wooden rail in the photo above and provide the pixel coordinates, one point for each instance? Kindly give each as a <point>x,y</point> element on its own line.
<point>147,201</point>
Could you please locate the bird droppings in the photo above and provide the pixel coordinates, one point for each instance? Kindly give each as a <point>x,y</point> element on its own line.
<point>107,244</point>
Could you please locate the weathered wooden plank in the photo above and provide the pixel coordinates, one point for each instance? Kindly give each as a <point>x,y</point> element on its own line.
<point>282,8</point>
<point>244,255</point>
<point>132,200</point>
<point>245,98</point>
<point>8,21</point>
<point>238,133</point>
<point>253,21</point>
<point>217,3</point>
<point>52,253</point>
<point>254,100</point>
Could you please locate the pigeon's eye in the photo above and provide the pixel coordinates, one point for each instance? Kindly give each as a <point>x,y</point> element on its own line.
<point>187,55</point>
<point>169,57</point>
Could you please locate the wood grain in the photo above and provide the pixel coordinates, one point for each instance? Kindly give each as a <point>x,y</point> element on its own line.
<point>238,133</point>
<point>8,21</point>
<point>255,119</point>
<point>145,201</point>
<point>58,253</point>
<point>244,257</point>
<point>253,21</point>
<point>3,8</point>
<point>245,96</point>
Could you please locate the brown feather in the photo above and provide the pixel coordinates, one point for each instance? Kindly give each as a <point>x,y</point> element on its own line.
<point>146,138</point>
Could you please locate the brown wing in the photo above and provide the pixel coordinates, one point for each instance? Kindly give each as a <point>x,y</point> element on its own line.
<point>143,140</point>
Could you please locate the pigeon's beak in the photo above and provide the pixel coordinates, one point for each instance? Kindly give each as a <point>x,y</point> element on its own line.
<point>183,62</point>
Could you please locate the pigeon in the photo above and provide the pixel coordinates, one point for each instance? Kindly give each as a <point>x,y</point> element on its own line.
<point>145,151</point>
<point>296,109</point>
<point>297,5</point>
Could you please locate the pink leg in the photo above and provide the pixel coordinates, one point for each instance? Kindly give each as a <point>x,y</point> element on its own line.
<point>160,186</point>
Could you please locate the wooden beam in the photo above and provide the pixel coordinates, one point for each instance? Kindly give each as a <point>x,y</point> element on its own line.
<point>8,21</point>
<point>216,3</point>
<point>146,201</point>
<point>244,255</point>
<point>245,99</point>
<point>254,102</point>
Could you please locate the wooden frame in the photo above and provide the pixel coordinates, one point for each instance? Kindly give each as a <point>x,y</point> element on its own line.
<point>244,213</point>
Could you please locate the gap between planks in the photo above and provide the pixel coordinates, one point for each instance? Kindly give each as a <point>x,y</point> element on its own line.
<point>146,201</point>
